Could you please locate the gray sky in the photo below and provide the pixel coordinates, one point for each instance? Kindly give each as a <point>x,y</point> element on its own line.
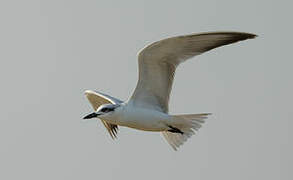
<point>51,51</point>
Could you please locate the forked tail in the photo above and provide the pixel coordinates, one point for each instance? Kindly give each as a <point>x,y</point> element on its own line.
<point>183,127</point>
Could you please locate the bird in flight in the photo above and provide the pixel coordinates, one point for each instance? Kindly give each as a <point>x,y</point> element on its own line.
<point>147,108</point>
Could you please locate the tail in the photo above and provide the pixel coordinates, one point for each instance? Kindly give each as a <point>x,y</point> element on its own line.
<point>186,125</point>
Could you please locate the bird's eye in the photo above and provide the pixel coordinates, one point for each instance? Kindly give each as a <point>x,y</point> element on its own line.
<point>104,109</point>
<point>107,109</point>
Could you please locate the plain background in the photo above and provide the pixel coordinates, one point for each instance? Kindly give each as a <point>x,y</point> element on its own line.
<point>51,51</point>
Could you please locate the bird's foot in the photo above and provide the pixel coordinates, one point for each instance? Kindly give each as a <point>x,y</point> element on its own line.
<point>175,130</point>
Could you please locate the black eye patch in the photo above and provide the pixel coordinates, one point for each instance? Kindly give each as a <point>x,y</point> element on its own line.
<point>107,109</point>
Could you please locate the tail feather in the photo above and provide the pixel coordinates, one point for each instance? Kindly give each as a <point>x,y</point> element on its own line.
<point>188,124</point>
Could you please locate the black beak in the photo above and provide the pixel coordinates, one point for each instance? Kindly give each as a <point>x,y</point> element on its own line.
<point>92,115</point>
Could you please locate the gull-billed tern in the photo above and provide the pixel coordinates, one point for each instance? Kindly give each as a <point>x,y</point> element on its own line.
<point>147,108</point>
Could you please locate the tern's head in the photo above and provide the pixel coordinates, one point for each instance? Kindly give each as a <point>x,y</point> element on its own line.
<point>103,111</point>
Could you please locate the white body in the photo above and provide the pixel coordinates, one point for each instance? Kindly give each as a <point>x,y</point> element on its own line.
<point>139,118</point>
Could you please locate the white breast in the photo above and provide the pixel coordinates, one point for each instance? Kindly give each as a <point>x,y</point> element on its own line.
<point>142,119</point>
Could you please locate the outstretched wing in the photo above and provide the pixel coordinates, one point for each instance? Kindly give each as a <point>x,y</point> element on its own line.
<point>97,99</point>
<point>158,62</point>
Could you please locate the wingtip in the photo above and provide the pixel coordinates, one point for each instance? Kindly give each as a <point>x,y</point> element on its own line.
<point>244,35</point>
<point>241,36</point>
<point>251,35</point>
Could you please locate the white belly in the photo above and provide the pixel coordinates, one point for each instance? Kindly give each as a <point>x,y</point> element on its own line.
<point>142,119</point>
